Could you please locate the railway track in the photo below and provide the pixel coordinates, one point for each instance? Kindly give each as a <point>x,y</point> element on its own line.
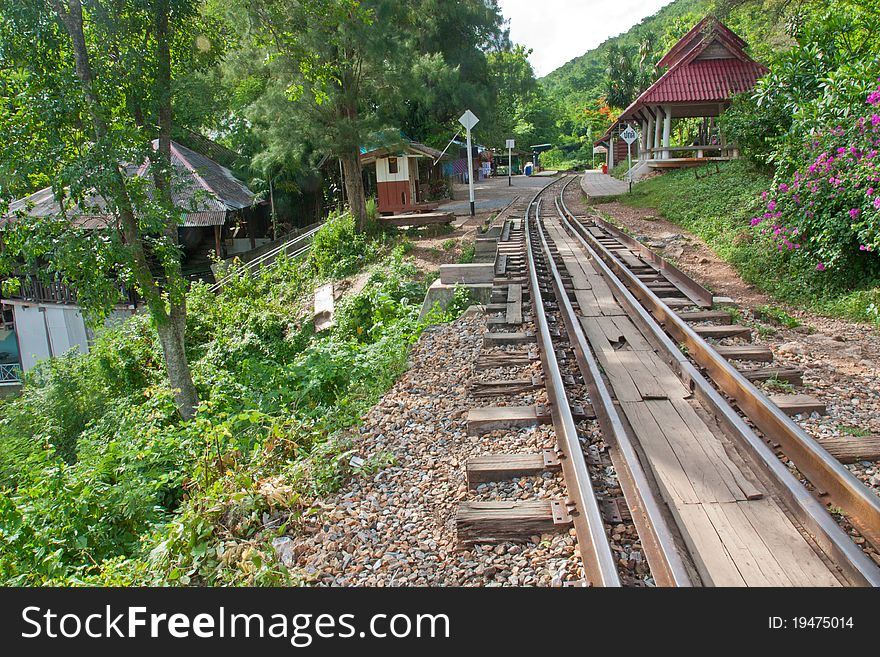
<point>660,432</point>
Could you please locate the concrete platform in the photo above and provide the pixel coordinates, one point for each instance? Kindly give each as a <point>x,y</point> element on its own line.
<point>491,194</point>
<point>441,295</point>
<point>596,184</point>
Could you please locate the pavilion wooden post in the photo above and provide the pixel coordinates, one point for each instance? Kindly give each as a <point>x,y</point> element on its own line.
<point>657,128</point>
<point>217,241</point>
<point>649,136</point>
<point>667,130</point>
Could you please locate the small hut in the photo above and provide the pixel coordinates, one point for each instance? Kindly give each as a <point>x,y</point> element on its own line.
<point>44,319</point>
<point>408,177</point>
<point>219,211</point>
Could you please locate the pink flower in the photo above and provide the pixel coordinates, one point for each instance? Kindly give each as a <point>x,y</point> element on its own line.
<point>820,266</point>
<point>771,206</point>
<point>763,196</point>
<point>783,188</point>
<point>877,203</point>
<point>854,213</point>
<point>862,247</point>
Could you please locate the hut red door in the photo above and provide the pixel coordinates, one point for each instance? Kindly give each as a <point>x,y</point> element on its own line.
<point>394,196</point>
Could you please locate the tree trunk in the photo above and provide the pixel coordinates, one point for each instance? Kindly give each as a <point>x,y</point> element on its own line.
<point>171,326</point>
<point>172,335</point>
<point>354,188</point>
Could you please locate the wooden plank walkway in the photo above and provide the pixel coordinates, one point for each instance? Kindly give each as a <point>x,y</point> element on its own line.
<point>737,535</point>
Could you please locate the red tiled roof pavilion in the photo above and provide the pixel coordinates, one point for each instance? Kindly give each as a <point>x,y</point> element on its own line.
<point>704,70</point>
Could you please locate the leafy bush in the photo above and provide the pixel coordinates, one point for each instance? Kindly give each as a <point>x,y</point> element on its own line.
<point>828,212</point>
<point>338,250</point>
<point>817,83</point>
<point>102,483</point>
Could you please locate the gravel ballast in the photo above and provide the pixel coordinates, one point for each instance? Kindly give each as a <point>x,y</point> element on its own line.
<point>397,527</point>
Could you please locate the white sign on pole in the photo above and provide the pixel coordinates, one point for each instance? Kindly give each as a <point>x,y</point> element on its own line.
<point>469,120</point>
<point>629,135</point>
<point>510,145</point>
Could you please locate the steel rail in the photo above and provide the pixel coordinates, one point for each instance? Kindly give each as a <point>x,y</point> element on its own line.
<point>823,470</point>
<point>599,562</point>
<point>664,557</point>
<point>691,289</point>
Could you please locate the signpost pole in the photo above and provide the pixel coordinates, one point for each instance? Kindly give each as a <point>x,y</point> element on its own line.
<point>469,120</point>
<point>629,136</point>
<point>629,166</point>
<point>470,171</point>
<point>510,144</point>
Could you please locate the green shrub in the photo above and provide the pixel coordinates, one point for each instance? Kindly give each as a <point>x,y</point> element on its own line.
<point>777,315</point>
<point>102,483</point>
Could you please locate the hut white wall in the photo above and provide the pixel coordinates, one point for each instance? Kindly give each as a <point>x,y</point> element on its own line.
<point>45,331</point>
<point>383,174</point>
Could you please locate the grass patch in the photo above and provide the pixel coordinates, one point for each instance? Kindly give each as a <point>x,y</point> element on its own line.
<point>776,315</point>
<point>102,483</point>
<point>853,431</point>
<point>718,209</point>
<point>774,384</point>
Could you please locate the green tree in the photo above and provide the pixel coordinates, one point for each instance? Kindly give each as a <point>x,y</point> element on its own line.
<point>94,84</point>
<point>339,62</point>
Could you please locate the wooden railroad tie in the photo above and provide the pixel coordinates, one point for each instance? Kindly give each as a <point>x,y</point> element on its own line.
<point>499,521</point>
<point>498,467</point>
<point>849,449</point>
<point>491,418</point>
<point>757,353</point>
<point>500,387</point>
<point>497,339</point>
<point>677,302</point>
<point>795,404</point>
<point>790,375</point>
<point>718,316</point>
<point>721,332</point>
<point>490,361</point>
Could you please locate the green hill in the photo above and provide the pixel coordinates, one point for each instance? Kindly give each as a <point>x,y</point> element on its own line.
<point>584,76</point>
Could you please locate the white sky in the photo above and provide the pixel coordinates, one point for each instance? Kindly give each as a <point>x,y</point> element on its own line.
<point>560,30</point>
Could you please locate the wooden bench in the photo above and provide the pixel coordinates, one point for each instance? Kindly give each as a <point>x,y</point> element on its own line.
<point>418,219</point>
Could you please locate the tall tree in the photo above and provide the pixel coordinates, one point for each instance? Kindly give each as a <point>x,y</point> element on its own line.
<point>121,56</point>
<point>339,60</point>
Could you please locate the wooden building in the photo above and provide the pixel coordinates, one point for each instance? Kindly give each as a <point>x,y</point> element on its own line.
<point>704,70</point>
<point>219,216</point>
<point>408,177</point>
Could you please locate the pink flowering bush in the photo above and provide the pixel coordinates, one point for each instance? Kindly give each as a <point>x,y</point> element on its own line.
<point>827,213</point>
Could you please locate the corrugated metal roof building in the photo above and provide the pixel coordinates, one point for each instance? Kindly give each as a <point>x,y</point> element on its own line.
<point>205,191</point>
